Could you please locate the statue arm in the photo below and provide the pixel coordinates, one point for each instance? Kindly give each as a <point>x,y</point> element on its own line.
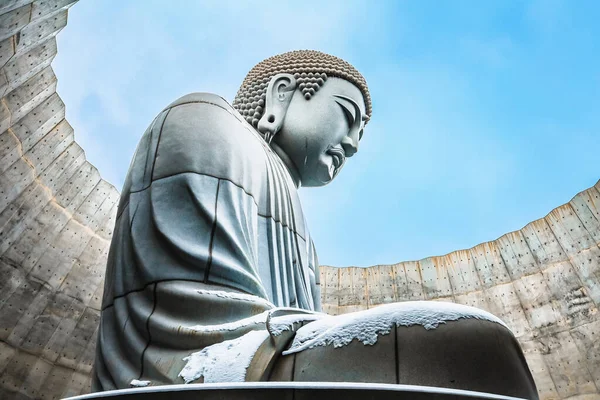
<point>203,195</point>
<point>190,200</point>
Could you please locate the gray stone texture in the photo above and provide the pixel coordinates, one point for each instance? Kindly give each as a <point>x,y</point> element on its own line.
<point>57,217</point>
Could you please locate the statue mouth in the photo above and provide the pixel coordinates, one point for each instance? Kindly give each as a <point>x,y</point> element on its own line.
<point>338,156</point>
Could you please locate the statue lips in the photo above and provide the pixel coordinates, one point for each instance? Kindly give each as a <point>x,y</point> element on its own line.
<point>339,158</point>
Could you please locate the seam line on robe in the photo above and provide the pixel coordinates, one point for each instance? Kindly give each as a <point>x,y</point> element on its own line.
<point>233,183</point>
<point>211,244</point>
<point>158,144</point>
<point>202,102</point>
<point>119,211</point>
<point>176,279</point>
<point>148,331</point>
<point>232,111</point>
<point>197,173</point>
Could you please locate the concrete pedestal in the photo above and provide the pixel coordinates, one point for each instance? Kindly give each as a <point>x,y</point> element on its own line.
<point>290,390</point>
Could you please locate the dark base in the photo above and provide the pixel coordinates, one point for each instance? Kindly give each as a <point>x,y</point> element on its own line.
<point>290,390</point>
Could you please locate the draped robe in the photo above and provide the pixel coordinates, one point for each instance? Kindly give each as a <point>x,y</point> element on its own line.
<point>209,231</point>
<point>210,243</point>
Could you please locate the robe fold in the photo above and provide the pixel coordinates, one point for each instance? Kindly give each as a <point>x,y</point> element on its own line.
<point>209,232</point>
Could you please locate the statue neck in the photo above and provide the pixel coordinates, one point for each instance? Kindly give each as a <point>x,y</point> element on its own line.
<point>287,161</point>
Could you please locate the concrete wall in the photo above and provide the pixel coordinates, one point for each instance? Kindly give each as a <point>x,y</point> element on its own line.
<point>543,281</point>
<point>57,216</point>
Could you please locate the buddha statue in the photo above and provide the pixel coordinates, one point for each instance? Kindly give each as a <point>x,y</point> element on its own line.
<point>212,275</point>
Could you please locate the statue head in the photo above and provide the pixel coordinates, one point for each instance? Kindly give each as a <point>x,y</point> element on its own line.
<point>311,108</point>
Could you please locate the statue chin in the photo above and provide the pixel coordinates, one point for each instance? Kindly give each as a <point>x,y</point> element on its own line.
<point>320,175</point>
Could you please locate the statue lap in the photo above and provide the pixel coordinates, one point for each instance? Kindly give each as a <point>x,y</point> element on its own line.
<point>467,354</point>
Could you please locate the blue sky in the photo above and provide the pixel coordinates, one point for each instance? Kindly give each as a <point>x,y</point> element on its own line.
<point>485,114</point>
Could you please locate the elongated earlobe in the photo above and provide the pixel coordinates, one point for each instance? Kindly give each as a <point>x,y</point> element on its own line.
<point>279,94</point>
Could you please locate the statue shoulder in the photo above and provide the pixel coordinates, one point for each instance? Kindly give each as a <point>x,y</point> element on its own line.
<point>201,98</point>
<point>203,133</point>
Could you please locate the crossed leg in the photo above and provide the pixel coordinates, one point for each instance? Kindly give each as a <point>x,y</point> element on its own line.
<point>468,354</point>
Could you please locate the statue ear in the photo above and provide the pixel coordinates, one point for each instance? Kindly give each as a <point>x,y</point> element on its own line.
<point>279,94</point>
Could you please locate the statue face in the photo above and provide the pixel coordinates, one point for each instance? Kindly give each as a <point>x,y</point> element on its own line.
<point>319,134</point>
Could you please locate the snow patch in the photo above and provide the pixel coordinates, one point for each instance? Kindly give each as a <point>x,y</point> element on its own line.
<point>278,325</point>
<point>367,325</point>
<point>237,296</point>
<point>137,383</point>
<point>223,362</point>
<point>232,326</point>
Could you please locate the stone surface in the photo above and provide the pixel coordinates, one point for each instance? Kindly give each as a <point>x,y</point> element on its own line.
<point>57,216</point>
<point>54,214</point>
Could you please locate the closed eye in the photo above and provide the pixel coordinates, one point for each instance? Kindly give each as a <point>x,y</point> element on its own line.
<point>347,113</point>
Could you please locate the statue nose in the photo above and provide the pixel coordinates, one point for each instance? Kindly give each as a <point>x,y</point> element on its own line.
<point>350,146</point>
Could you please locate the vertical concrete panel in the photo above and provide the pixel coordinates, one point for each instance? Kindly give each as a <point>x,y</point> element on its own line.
<point>15,307</point>
<point>381,285</point>
<point>80,383</point>
<point>516,255</point>
<point>506,304</point>
<point>15,179</point>
<point>435,278</point>
<point>30,94</point>
<point>59,258</point>
<point>42,8</point>
<point>46,226</point>
<point>10,150</point>
<point>46,324</point>
<point>581,204</point>
<point>17,370</point>
<point>87,271</point>
<point>542,242</point>
<point>474,299</point>
<point>105,230</point>
<point>535,353</point>
<point>462,273</point>
<point>11,278</point>
<point>58,382</point>
<point>567,366</point>
<point>7,50</point>
<point>79,187</point>
<point>586,339</point>
<point>19,215</point>
<point>74,348</point>
<point>353,286</point>
<point>29,130</point>
<point>489,264</point>
<point>540,306</point>
<point>26,64</point>
<point>42,29</point>
<point>27,319</point>
<point>69,311</point>
<point>96,299</point>
<point>576,306</point>
<point>33,384</point>
<point>414,280</point>
<point>579,246</point>
<point>12,21</point>
<point>568,230</point>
